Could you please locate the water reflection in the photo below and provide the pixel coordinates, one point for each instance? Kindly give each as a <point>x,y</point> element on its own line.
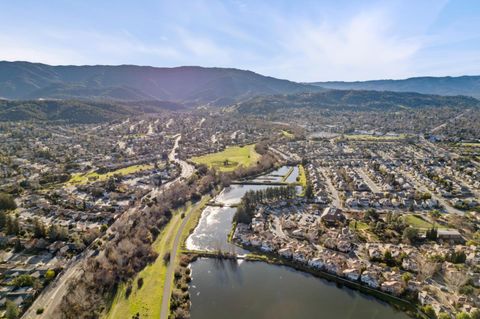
<point>222,289</point>
<point>241,289</point>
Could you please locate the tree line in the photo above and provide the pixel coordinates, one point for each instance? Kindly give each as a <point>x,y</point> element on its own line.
<point>246,208</point>
<point>130,250</point>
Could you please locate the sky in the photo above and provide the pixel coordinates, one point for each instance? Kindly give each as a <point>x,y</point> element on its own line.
<point>298,40</point>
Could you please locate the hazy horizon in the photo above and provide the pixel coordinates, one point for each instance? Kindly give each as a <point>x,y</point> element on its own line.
<point>211,67</point>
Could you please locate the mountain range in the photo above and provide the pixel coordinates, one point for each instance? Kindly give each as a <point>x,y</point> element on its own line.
<point>189,85</point>
<point>78,111</point>
<point>84,94</point>
<point>353,100</point>
<point>462,85</point>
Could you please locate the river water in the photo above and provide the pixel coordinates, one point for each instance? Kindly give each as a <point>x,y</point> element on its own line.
<point>256,290</point>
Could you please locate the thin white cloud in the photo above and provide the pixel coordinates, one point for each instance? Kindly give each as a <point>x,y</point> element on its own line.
<point>14,48</point>
<point>378,41</point>
<point>361,48</point>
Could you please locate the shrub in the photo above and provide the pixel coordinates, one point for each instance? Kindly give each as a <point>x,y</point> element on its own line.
<point>140,282</point>
<point>7,202</point>
<point>429,311</point>
<point>23,281</point>
<point>166,258</point>
<point>462,315</point>
<point>50,274</point>
<point>11,311</point>
<point>128,291</point>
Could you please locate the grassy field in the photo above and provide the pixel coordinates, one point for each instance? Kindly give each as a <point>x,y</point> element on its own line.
<point>230,158</point>
<point>418,222</point>
<point>302,176</point>
<point>366,137</point>
<point>77,179</point>
<point>363,230</point>
<point>287,134</point>
<point>469,144</point>
<point>147,300</point>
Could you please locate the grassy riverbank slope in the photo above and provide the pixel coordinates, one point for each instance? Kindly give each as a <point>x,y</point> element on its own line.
<point>145,300</point>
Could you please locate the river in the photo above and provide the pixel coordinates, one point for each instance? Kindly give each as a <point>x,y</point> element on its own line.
<point>230,289</point>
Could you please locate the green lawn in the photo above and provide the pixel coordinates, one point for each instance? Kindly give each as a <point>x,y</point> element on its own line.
<point>230,158</point>
<point>93,177</point>
<point>418,222</point>
<point>363,231</point>
<point>358,224</point>
<point>147,300</point>
<point>469,144</point>
<point>302,176</point>
<point>287,134</point>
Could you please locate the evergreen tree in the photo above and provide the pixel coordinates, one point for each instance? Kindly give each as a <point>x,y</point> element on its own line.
<point>7,202</point>
<point>38,229</point>
<point>13,227</point>
<point>3,219</point>
<point>309,191</point>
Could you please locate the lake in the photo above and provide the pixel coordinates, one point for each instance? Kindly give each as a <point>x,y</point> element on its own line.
<point>256,290</point>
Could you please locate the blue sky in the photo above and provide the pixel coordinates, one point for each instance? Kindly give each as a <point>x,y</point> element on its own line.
<point>296,40</point>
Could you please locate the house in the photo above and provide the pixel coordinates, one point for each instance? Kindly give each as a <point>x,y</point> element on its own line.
<point>351,274</point>
<point>393,287</point>
<point>425,298</point>
<point>409,264</point>
<point>370,278</point>
<point>332,215</point>
<point>316,263</point>
<point>450,234</point>
<point>266,247</point>
<point>285,252</point>
<point>414,285</point>
<point>299,256</point>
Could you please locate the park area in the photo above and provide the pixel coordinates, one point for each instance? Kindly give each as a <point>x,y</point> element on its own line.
<point>143,294</point>
<point>79,179</point>
<point>230,159</point>
<point>417,221</point>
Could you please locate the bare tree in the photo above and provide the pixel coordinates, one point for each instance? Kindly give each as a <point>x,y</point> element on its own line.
<point>455,279</point>
<point>426,268</point>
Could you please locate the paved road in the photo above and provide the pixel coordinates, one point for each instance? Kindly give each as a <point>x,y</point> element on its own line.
<point>440,200</point>
<point>449,121</point>
<point>167,287</point>
<point>333,191</point>
<point>52,295</point>
<point>373,187</point>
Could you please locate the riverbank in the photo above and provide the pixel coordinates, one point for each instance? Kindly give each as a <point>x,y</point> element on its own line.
<point>399,303</point>
<point>256,254</point>
<point>224,230</point>
<point>133,298</point>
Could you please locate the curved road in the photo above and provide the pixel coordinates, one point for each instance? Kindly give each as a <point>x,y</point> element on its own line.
<point>50,298</point>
